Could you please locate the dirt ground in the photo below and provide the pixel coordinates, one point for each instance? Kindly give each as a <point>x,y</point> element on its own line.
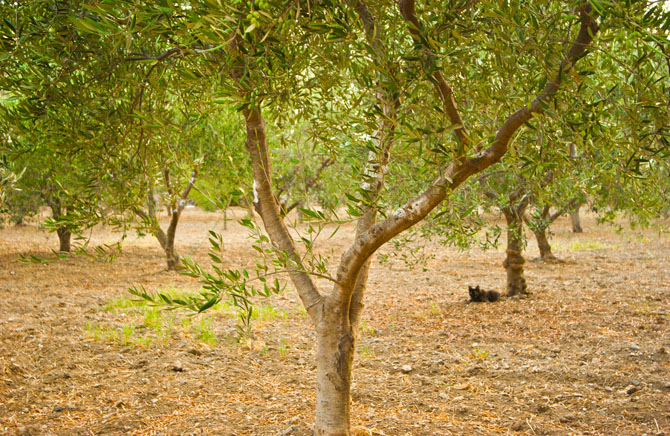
<point>586,354</point>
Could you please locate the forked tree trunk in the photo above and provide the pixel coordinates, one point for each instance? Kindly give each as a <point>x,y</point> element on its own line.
<point>176,206</point>
<point>336,314</point>
<point>516,282</point>
<point>540,226</point>
<point>166,240</point>
<point>576,221</point>
<point>64,238</point>
<point>167,245</point>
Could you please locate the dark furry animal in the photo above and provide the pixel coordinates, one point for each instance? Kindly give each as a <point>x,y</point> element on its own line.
<point>479,295</point>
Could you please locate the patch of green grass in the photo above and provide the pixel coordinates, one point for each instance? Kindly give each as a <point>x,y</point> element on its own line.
<point>268,312</point>
<point>586,245</point>
<point>124,335</point>
<point>119,304</point>
<point>202,331</point>
<point>151,324</point>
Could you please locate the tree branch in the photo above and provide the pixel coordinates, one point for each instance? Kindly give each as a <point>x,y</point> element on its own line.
<point>454,174</point>
<point>268,208</point>
<point>187,190</point>
<point>495,151</point>
<point>351,295</point>
<point>445,92</point>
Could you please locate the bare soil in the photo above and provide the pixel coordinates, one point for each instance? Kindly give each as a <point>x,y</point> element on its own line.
<point>586,354</point>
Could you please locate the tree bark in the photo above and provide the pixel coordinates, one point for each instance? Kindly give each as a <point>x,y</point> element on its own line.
<point>64,233</point>
<point>64,237</point>
<point>516,282</point>
<point>543,244</point>
<point>576,221</point>
<point>173,259</point>
<point>539,227</point>
<point>166,240</point>
<point>176,206</point>
<point>334,357</point>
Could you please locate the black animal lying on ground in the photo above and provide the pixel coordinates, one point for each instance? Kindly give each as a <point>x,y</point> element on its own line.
<point>479,295</point>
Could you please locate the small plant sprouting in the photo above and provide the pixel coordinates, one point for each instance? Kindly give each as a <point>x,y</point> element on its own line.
<point>283,349</point>
<point>479,353</point>
<point>368,330</point>
<point>127,331</point>
<point>366,352</point>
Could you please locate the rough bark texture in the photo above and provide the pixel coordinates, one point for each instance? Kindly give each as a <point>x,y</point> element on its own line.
<point>171,255</point>
<point>166,240</point>
<point>58,211</point>
<point>516,282</point>
<point>64,237</point>
<point>544,246</point>
<point>539,227</point>
<point>576,221</point>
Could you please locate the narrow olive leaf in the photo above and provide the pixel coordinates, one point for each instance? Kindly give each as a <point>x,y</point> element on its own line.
<point>212,301</point>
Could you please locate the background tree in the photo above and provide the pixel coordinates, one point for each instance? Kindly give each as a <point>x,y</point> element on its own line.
<point>57,110</point>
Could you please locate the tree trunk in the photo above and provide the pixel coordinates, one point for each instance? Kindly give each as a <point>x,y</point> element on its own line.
<point>539,227</point>
<point>516,282</point>
<point>64,233</point>
<point>576,221</point>
<point>335,353</point>
<point>166,240</point>
<point>543,244</point>
<point>64,236</point>
<point>173,259</point>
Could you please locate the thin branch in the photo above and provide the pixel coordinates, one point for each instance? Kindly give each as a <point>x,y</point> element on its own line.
<point>187,191</point>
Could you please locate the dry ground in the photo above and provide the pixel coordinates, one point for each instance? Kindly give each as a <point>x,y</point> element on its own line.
<point>587,353</point>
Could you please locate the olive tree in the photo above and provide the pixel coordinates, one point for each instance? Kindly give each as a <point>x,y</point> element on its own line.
<point>337,313</point>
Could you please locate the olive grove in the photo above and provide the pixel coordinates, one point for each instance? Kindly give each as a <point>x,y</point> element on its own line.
<point>425,96</point>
